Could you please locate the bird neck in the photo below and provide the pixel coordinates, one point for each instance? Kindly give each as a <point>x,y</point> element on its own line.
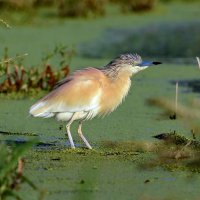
<point>115,90</point>
<point>116,72</point>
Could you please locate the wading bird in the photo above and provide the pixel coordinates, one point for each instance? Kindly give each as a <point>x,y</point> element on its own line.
<point>90,92</point>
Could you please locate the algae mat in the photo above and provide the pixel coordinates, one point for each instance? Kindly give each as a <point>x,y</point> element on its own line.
<point>111,171</point>
<point>79,175</point>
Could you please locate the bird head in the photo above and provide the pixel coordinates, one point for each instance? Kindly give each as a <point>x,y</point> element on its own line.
<point>131,62</point>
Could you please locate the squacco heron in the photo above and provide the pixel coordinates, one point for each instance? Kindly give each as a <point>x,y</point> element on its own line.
<point>90,92</point>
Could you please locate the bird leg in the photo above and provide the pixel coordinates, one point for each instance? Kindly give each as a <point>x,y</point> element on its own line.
<point>82,136</point>
<point>69,133</point>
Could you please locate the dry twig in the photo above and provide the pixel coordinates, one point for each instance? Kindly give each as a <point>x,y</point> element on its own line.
<point>5,23</point>
<point>198,61</point>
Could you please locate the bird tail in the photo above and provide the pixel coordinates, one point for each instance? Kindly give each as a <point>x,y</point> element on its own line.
<point>41,109</point>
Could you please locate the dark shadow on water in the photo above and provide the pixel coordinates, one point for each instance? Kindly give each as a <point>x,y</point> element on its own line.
<point>40,145</point>
<point>48,143</point>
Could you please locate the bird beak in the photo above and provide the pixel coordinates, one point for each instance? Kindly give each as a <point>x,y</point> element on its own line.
<point>148,63</point>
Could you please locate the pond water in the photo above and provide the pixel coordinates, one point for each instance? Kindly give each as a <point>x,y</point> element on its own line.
<point>109,171</point>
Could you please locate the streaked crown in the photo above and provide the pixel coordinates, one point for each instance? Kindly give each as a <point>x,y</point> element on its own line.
<point>126,59</point>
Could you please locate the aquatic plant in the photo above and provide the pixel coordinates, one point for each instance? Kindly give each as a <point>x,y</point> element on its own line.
<point>190,116</point>
<point>78,8</point>
<point>81,8</point>
<point>17,78</point>
<point>12,170</point>
<point>135,5</point>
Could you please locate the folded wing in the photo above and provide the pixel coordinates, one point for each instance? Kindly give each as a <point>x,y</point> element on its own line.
<point>79,92</point>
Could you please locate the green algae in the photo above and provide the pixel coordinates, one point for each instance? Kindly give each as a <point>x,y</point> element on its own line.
<point>157,154</point>
<point>17,133</point>
<point>110,172</point>
<point>177,139</point>
<point>126,162</point>
<point>125,155</point>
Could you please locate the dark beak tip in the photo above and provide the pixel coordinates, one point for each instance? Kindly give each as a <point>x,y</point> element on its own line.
<point>157,63</point>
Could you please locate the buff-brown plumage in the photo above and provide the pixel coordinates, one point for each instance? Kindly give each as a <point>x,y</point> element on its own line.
<point>89,92</point>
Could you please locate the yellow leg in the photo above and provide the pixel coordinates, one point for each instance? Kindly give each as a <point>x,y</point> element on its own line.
<point>69,133</point>
<point>82,136</point>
